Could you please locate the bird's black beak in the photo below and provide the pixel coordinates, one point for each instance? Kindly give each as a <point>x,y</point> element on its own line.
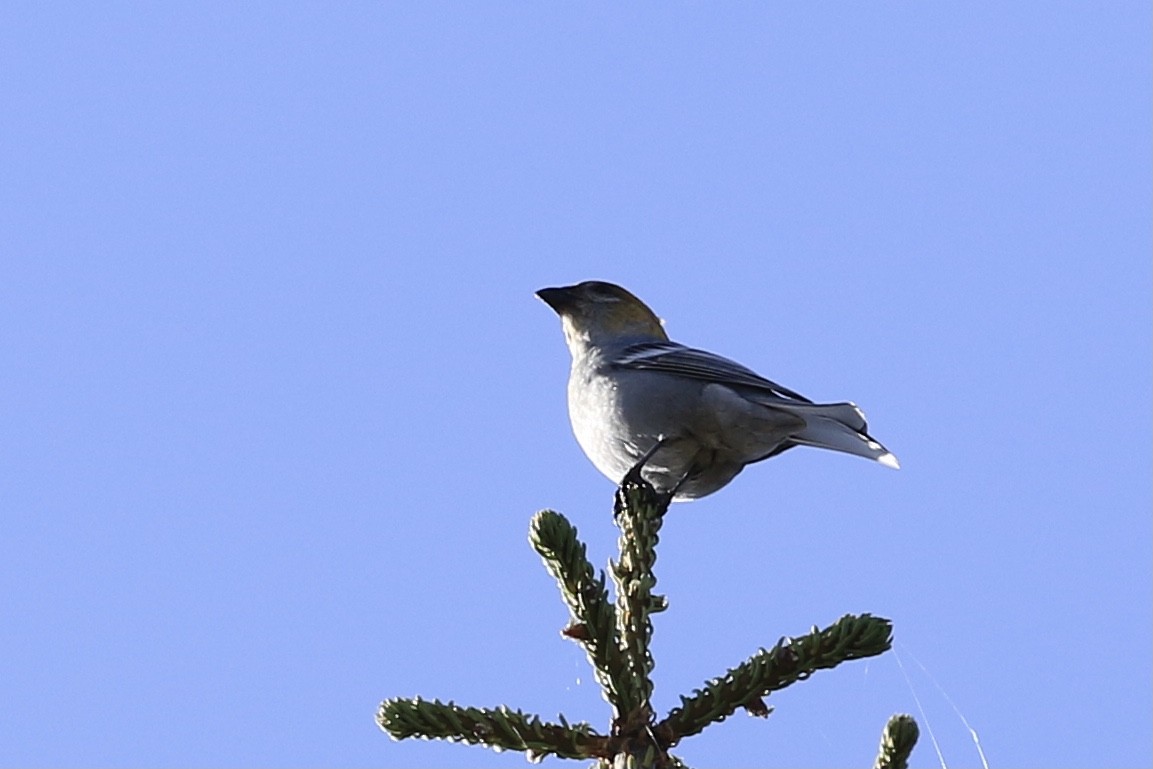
<point>560,299</point>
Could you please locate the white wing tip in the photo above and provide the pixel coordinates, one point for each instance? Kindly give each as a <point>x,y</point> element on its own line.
<point>889,460</point>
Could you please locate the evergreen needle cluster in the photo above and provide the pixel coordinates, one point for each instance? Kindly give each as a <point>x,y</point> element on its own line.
<point>616,636</point>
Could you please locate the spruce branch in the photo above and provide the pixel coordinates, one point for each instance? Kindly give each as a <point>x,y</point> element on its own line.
<point>594,624</point>
<point>770,670</point>
<point>499,728</point>
<point>616,638</point>
<point>897,742</point>
<point>638,512</point>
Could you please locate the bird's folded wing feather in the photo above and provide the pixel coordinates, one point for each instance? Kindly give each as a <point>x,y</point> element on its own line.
<point>673,358</point>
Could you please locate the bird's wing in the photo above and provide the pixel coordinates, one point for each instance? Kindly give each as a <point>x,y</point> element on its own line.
<point>673,358</point>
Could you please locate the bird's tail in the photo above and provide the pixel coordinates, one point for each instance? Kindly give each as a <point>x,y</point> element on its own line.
<point>840,427</point>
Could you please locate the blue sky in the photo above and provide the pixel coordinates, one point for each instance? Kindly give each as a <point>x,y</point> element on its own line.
<point>278,401</point>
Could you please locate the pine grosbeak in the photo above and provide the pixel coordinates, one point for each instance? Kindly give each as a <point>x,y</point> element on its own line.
<point>686,419</point>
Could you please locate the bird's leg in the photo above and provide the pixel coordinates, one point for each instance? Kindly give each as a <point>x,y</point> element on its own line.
<point>677,486</point>
<point>694,469</point>
<point>634,473</point>
<point>633,483</point>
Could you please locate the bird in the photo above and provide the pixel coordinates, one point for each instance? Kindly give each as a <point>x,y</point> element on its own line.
<point>688,421</point>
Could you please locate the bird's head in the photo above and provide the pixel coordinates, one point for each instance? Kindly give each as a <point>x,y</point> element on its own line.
<point>596,314</point>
